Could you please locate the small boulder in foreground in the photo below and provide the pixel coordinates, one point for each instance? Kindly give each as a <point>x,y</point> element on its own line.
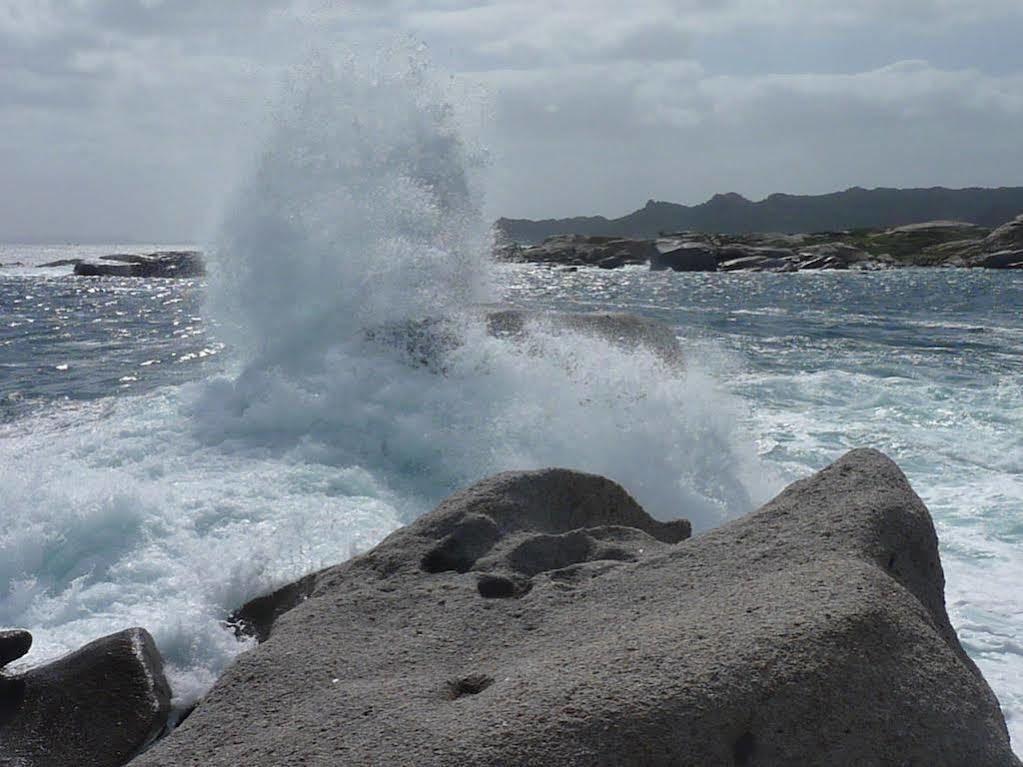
<point>542,619</point>
<point>97,707</point>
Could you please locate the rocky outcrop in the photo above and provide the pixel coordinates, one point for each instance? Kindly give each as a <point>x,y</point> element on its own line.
<point>931,243</point>
<point>684,256</point>
<point>97,707</point>
<point>1004,259</point>
<point>1006,237</point>
<point>542,618</point>
<point>579,250</point>
<point>180,264</point>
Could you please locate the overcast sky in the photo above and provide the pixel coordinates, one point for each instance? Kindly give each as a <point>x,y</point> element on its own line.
<point>131,118</point>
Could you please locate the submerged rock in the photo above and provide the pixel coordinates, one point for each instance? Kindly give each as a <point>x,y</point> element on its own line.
<point>542,618</point>
<point>627,331</point>
<point>427,342</point>
<point>97,707</point>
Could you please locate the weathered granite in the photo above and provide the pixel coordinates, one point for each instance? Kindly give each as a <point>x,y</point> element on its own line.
<point>542,618</point>
<point>97,707</point>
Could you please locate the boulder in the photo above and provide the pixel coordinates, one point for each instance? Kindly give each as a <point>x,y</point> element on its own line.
<point>682,256</point>
<point>427,342</point>
<point>541,618</point>
<point>1006,237</point>
<point>14,645</point>
<point>739,264</point>
<point>627,331</point>
<point>1006,259</point>
<point>166,264</point>
<point>758,264</point>
<point>97,707</point>
<point>954,248</point>
<point>736,251</point>
<point>839,252</point>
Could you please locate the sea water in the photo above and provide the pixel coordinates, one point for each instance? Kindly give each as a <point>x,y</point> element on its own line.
<point>170,449</point>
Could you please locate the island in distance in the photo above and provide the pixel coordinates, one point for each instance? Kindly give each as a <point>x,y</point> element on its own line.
<point>856,229</point>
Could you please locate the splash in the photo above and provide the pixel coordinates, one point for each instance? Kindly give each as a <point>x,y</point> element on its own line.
<point>362,212</point>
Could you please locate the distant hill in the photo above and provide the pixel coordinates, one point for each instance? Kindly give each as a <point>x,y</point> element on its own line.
<point>855,208</point>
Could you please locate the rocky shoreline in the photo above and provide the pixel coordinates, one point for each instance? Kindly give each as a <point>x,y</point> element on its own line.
<point>934,244</point>
<point>543,618</point>
<point>180,264</point>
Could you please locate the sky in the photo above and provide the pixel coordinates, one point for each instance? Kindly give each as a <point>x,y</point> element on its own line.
<point>132,119</point>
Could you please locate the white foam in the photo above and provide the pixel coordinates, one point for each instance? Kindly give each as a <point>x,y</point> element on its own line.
<point>170,510</point>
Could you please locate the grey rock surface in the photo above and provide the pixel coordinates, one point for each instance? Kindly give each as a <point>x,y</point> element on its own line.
<point>542,618</point>
<point>97,707</point>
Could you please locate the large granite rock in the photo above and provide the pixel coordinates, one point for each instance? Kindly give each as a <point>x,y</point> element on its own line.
<point>180,264</point>
<point>543,619</point>
<point>97,707</point>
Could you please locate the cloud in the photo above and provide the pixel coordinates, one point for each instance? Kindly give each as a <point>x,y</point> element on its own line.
<point>133,116</point>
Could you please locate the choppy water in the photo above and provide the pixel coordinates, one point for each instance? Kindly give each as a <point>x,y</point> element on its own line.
<point>169,450</point>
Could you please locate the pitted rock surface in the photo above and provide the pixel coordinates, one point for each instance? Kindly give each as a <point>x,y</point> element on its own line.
<point>542,619</point>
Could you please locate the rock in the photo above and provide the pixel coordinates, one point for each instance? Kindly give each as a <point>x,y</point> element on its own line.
<point>953,229</point>
<point>427,342</point>
<point>758,264</point>
<point>92,269</point>
<point>97,707</point>
<point>62,262</point>
<point>680,256</point>
<point>1006,259</point>
<point>578,249</point>
<point>837,252</point>
<point>541,618</point>
<point>736,251</point>
<point>180,264</point>
<point>739,264</point>
<point>14,645</point>
<point>627,331</point>
<point>1006,237</point>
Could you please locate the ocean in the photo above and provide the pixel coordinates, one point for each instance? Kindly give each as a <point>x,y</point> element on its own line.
<point>171,449</point>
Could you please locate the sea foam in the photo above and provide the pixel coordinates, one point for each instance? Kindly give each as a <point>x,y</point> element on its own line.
<point>171,509</point>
